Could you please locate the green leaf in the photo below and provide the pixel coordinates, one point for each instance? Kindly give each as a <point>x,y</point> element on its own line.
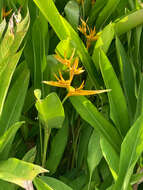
<point>131,149</point>
<point>20,32</point>
<point>127,76</point>
<point>90,114</point>
<point>2,27</point>
<point>54,183</point>
<point>8,56</point>
<point>56,151</point>
<point>85,133</point>
<point>103,42</point>
<point>139,108</point>
<point>93,14</point>
<point>30,155</point>
<point>39,31</point>
<point>50,110</point>
<point>128,22</point>
<point>111,157</point>
<point>106,12</point>
<point>7,138</point>
<point>19,172</point>
<point>6,75</point>
<point>118,107</point>
<point>15,99</point>
<point>94,152</point>
<point>6,185</point>
<point>72,13</point>
<point>41,185</point>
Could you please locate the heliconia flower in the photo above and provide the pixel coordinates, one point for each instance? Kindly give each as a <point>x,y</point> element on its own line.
<point>83,27</point>
<point>79,92</point>
<point>61,82</point>
<point>65,61</point>
<point>4,13</point>
<point>90,36</point>
<point>74,70</point>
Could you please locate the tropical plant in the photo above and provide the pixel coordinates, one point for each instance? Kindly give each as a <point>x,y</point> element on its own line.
<point>67,140</point>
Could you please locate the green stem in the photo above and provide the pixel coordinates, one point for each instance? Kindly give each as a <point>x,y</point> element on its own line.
<point>47,132</point>
<point>41,144</point>
<point>65,98</point>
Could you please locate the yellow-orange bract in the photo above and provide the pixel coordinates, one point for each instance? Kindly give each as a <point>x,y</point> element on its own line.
<point>90,34</point>
<point>73,69</point>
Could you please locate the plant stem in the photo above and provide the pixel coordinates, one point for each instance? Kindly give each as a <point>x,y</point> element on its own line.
<point>47,132</point>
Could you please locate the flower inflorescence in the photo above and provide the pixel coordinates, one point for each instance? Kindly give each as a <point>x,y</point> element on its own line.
<point>73,69</point>
<point>89,33</point>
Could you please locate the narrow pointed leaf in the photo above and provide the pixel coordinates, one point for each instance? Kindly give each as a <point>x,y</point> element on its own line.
<point>41,185</point>
<point>90,114</point>
<point>127,76</point>
<point>118,106</point>
<point>15,100</point>
<point>131,149</point>
<point>8,137</point>
<point>6,75</point>
<point>111,157</point>
<point>94,152</point>
<point>56,151</point>
<point>54,183</point>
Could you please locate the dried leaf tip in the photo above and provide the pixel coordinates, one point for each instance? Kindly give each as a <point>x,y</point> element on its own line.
<point>4,13</point>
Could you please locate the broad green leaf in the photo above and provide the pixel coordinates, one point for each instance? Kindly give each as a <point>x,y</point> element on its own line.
<point>111,157</point>
<point>121,26</point>
<point>127,76</point>
<point>128,22</point>
<point>94,152</point>
<point>57,22</point>
<point>41,185</point>
<point>131,149</point>
<point>15,99</point>
<point>50,111</point>
<point>6,75</point>
<point>118,107</point>
<point>90,114</point>
<point>54,183</point>
<point>19,172</point>
<point>103,42</point>
<point>72,13</point>
<point>56,151</point>
<point>7,139</point>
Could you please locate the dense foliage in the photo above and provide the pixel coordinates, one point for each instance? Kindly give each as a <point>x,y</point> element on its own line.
<point>71,95</point>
